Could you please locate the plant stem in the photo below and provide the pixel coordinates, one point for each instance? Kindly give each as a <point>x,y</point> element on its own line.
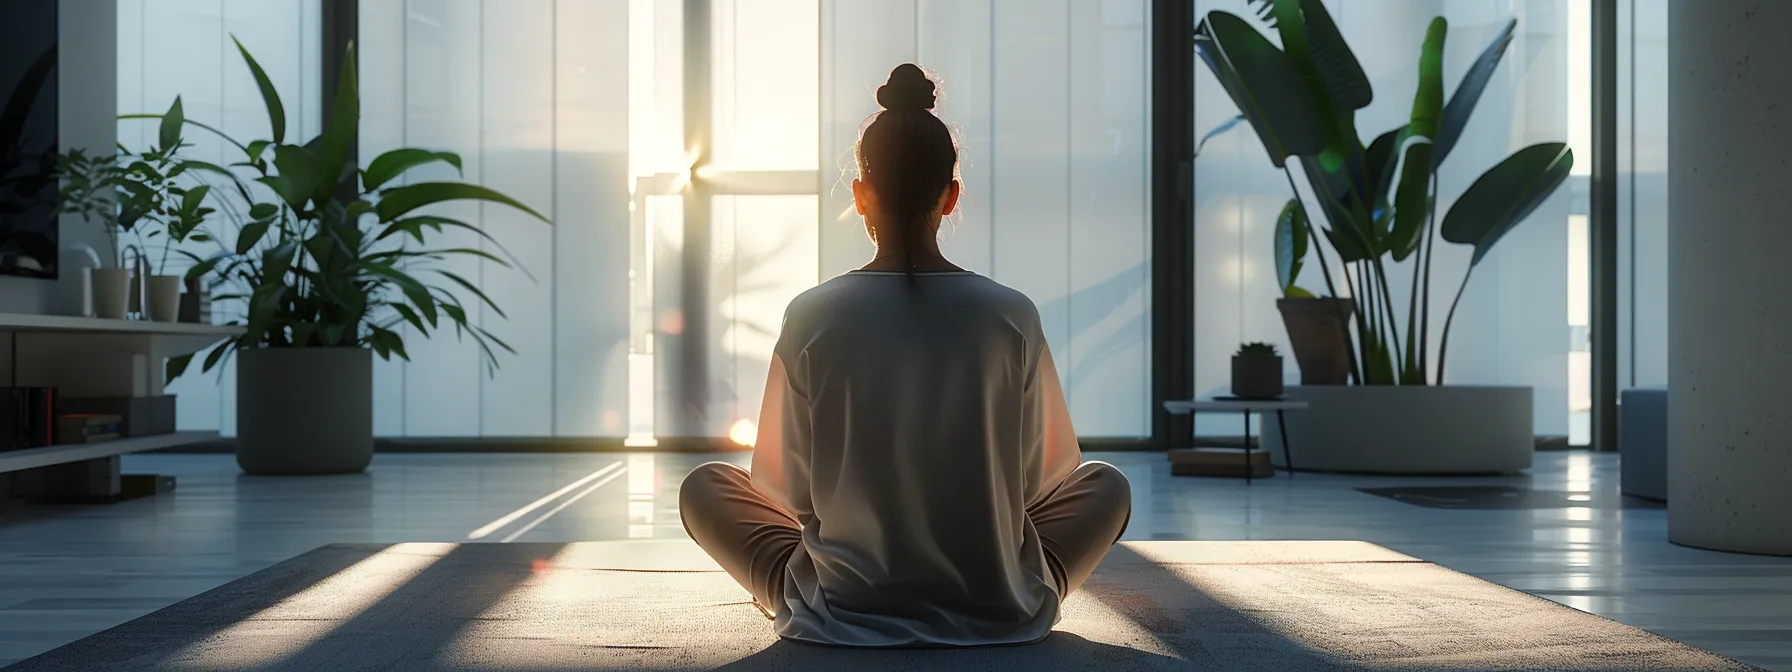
<point>1387,300</point>
<point>1363,325</point>
<point>1443,345</point>
<point>1413,333</point>
<point>1425,301</point>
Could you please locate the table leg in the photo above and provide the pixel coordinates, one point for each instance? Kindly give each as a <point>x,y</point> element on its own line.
<point>1247,447</point>
<point>1287,453</point>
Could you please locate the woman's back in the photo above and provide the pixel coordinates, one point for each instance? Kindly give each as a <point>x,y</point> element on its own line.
<point>918,469</point>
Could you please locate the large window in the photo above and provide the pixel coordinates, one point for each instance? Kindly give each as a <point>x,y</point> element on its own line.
<point>692,155</point>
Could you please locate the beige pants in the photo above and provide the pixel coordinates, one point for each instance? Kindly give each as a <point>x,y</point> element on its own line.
<point>752,538</point>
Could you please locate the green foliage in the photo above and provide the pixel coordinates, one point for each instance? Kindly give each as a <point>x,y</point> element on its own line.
<point>1377,201</point>
<point>342,257</point>
<point>1256,350</point>
<point>1291,248</point>
<point>141,195</point>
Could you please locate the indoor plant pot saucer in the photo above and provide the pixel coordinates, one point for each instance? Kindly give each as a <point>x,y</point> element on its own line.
<point>1408,429</point>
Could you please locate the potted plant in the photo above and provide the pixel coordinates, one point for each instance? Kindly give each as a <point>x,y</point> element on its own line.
<point>1378,204</point>
<point>1257,372</point>
<point>1318,327</point>
<point>139,201</point>
<point>324,279</point>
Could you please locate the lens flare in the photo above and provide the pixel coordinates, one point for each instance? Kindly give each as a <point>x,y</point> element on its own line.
<point>744,432</point>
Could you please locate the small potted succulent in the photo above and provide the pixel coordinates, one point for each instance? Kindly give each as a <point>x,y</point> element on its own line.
<point>1257,372</point>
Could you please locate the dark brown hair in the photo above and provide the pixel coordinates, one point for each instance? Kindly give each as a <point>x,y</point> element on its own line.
<point>907,154</point>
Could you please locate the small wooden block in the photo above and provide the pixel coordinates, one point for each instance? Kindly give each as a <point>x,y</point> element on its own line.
<point>1222,462</point>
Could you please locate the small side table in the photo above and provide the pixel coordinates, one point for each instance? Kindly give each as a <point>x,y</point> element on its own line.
<point>1247,407</point>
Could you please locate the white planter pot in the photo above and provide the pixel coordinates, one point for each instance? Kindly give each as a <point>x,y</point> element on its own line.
<point>111,292</point>
<point>164,298</point>
<point>304,410</point>
<point>1451,429</point>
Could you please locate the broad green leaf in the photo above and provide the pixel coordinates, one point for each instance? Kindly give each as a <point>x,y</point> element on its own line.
<point>300,167</point>
<point>1289,18</point>
<point>176,365</point>
<point>339,128</point>
<point>1349,247</point>
<point>390,165</point>
<point>276,262</point>
<point>250,235</point>
<point>171,123</point>
<point>190,201</point>
<point>1379,163</point>
<point>1506,194</point>
<point>1264,84</point>
<point>1412,199</point>
<point>256,149</point>
<point>1290,244</point>
<point>283,187</point>
<point>1468,93</point>
<point>270,97</point>
<point>263,211</point>
<point>199,269</point>
<point>1346,85</point>
<point>400,201</point>
<point>410,316</point>
<point>218,352</point>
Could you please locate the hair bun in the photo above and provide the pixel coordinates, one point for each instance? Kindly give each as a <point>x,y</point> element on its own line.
<point>908,89</point>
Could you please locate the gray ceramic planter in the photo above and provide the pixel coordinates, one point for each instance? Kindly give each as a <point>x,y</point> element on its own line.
<point>1257,376</point>
<point>304,410</point>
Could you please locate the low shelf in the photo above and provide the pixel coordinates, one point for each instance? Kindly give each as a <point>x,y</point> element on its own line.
<point>32,458</point>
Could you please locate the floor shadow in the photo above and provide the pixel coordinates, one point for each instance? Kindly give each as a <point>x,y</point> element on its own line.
<point>145,641</point>
<point>1203,631</point>
<point>1059,651</point>
<point>405,627</point>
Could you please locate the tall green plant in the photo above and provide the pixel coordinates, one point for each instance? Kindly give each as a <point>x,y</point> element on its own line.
<point>1378,200</point>
<point>343,256</point>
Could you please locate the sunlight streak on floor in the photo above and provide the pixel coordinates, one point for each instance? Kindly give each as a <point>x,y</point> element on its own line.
<point>562,506</point>
<point>315,612</point>
<point>513,516</point>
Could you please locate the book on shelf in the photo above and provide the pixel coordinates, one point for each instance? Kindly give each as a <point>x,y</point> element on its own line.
<point>88,428</point>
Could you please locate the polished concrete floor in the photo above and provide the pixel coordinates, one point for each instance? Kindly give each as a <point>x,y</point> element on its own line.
<point>69,571</point>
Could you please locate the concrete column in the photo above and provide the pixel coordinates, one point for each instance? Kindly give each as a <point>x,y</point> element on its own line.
<point>1729,300</point>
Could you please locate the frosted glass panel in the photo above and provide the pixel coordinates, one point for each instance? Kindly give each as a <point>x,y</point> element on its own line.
<point>1643,193</point>
<point>169,48</point>
<point>1512,327</point>
<point>765,95</point>
<point>533,94</point>
<point>763,251</point>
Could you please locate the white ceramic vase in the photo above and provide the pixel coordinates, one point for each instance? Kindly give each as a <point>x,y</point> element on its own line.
<point>111,292</point>
<point>164,298</point>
